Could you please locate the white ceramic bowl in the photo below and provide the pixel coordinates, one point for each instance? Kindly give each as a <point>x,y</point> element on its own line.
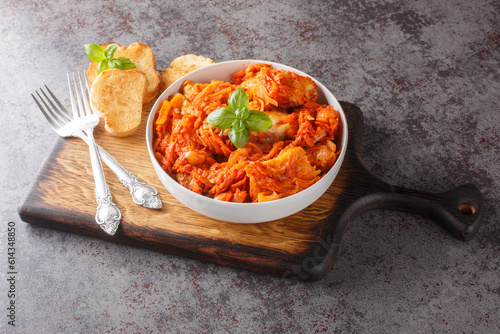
<point>244,212</point>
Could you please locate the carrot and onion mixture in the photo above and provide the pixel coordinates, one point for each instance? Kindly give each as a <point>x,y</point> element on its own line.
<point>288,157</point>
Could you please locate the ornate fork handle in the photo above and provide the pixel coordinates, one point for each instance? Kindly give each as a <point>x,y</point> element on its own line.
<point>142,193</point>
<point>107,216</point>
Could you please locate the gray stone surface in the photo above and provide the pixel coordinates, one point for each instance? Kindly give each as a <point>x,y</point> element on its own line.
<point>426,76</point>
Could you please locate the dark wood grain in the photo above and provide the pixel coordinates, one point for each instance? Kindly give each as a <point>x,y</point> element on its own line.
<point>303,245</point>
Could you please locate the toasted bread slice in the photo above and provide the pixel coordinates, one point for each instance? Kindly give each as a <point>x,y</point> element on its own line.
<point>181,66</point>
<point>118,97</point>
<point>143,58</point>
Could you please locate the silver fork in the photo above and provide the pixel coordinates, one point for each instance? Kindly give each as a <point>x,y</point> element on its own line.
<point>58,118</point>
<point>107,216</point>
<point>84,120</point>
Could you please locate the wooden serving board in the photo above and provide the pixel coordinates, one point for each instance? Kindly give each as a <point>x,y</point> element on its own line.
<point>302,246</point>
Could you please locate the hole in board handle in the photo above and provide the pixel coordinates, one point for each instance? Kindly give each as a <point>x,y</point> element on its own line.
<point>467,209</point>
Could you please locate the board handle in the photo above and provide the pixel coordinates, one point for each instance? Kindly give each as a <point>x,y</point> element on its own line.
<point>459,210</point>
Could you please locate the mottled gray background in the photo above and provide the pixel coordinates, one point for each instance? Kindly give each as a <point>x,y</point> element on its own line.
<point>426,76</point>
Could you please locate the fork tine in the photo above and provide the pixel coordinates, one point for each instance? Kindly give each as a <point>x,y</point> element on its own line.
<point>49,119</point>
<point>59,104</point>
<point>58,112</point>
<point>74,106</point>
<point>54,121</point>
<point>79,98</point>
<point>85,93</point>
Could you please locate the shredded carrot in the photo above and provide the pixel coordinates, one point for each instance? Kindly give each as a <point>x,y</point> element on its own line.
<point>291,156</point>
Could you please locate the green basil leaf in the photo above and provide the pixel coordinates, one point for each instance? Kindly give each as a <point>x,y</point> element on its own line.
<point>242,113</point>
<point>125,63</point>
<point>239,134</point>
<point>239,126</point>
<point>222,118</point>
<point>121,63</point>
<point>110,51</point>
<point>238,99</point>
<point>114,63</point>
<point>239,119</point>
<point>95,52</point>
<point>258,121</point>
<point>102,66</point>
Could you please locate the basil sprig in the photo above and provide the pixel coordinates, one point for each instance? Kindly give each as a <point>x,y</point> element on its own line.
<point>104,57</point>
<point>239,119</point>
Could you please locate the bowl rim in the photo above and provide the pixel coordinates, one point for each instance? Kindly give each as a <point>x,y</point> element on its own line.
<point>163,96</point>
